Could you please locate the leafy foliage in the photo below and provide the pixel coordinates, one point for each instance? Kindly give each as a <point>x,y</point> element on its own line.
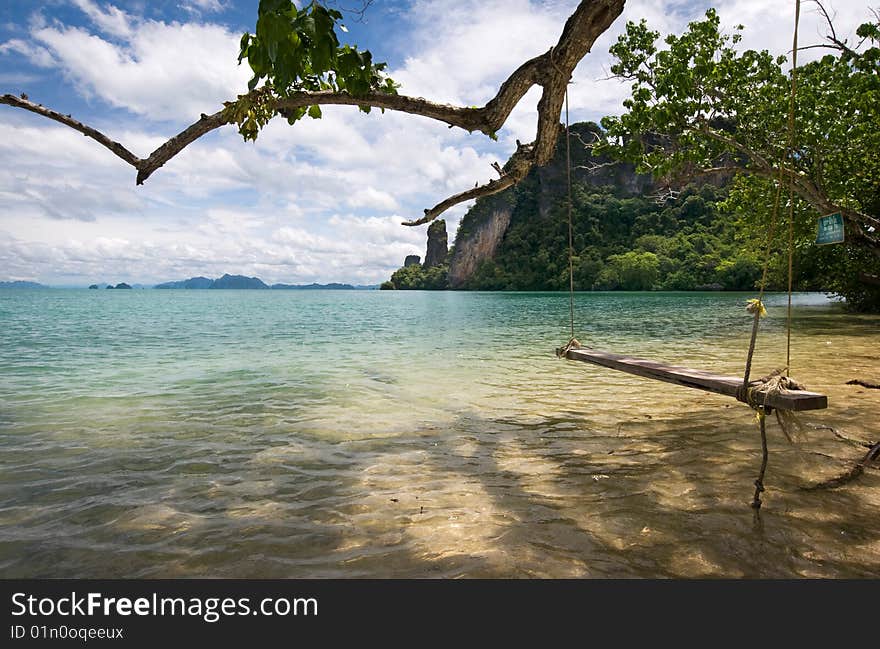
<point>297,50</point>
<point>631,271</point>
<point>699,103</point>
<point>620,243</point>
<point>838,269</point>
<point>418,278</point>
<point>694,94</point>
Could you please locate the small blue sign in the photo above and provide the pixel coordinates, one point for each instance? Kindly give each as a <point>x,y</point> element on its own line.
<point>830,229</point>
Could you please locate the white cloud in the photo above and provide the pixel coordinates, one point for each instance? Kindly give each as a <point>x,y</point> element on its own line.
<point>162,71</point>
<point>111,20</point>
<point>462,56</point>
<point>370,197</point>
<point>321,201</point>
<point>56,172</point>
<point>354,249</point>
<point>202,6</point>
<point>17,78</point>
<point>770,25</point>
<point>36,54</point>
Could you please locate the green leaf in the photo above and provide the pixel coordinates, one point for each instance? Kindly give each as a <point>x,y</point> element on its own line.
<point>298,50</point>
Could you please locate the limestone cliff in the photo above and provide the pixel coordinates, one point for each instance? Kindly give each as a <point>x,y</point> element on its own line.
<point>510,240</point>
<point>438,244</point>
<point>483,228</point>
<point>479,234</point>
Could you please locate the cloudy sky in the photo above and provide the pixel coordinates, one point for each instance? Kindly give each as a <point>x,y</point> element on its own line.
<point>321,201</point>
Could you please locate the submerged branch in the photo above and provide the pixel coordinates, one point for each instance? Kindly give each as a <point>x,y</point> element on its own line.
<point>870,457</point>
<point>865,384</point>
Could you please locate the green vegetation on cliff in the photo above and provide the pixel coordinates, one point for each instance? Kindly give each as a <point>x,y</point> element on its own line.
<point>702,237</point>
<point>621,243</point>
<point>700,105</point>
<point>418,278</point>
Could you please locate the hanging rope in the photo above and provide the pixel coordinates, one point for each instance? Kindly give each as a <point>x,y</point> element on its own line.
<point>759,483</point>
<point>747,393</point>
<point>791,143</point>
<point>573,342</point>
<point>570,228</point>
<point>756,307</point>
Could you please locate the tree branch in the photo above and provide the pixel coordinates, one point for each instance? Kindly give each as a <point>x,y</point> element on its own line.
<point>804,187</point>
<point>831,37</point>
<point>752,155</point>
<point>67,120</point>
<point>470,119</point>
<point>551,70</point>
<point>176,144</point>
<point>513,172</point>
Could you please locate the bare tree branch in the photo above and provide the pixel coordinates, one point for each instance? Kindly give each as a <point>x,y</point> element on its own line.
<point>357,12</point>
<point>664,195</point>
<point>176,144</point>
<point>67,120</point>
<point>591,165</point>
<point>513,172</point>
<point>831,37</point>
<point>492,187</point>
<point>818,46</point>
<point>551,70</point>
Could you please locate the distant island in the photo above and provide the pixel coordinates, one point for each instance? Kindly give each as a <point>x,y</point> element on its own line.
<point>193,282</point>
<point>243,282</point>
<point>333,286</point>
<point>226,282</point>
<point>122,285</point>
<point>21,284</point>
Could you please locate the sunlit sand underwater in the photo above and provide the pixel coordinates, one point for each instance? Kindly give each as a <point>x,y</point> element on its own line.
<point>405,434</point>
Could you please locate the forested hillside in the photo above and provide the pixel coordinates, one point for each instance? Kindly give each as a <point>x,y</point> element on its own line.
<point>621,243</point>
<point>626,237</point>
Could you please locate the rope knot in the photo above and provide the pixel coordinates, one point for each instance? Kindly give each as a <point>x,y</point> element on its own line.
<point>756,307</point>
<point>745,394</point>
<point>757,393</point>
<point>574,343</point>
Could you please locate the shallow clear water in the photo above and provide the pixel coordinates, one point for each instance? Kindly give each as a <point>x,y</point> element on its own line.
<point>405,434</point>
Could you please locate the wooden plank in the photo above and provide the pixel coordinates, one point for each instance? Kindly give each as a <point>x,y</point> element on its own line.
<point>690,378</point>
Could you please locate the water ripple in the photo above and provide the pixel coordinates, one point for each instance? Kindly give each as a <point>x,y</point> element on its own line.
<point>358,434</point>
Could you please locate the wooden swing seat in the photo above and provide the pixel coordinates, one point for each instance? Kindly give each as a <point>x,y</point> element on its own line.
<point>699,379</point>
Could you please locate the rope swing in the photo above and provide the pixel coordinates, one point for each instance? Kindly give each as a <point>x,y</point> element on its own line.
<point>776,392</point>
<point>776,382</point>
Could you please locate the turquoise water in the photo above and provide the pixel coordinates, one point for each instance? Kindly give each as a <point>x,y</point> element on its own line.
<point>363,433</point>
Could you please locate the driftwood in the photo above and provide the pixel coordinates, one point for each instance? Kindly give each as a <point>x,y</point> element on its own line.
<point>871,456</point>
<point>864,384</point>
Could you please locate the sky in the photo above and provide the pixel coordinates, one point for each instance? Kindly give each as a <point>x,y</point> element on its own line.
<point>321,201</point>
